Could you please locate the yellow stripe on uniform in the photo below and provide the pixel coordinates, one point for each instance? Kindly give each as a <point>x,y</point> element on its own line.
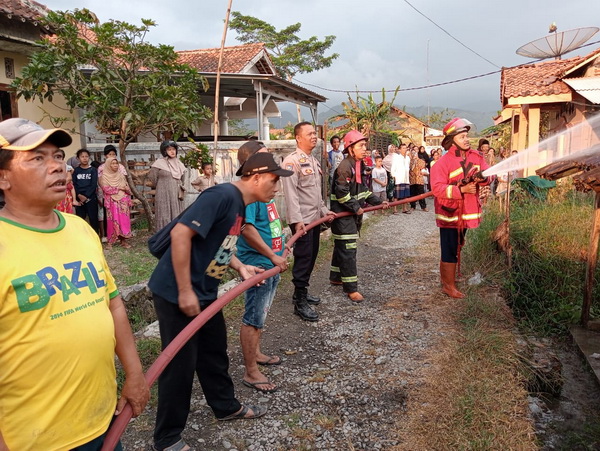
<point>353,236</point>
<point>341,200</point>
<point>335,269</point>
<point>447,218</point>
<point>449,192</point>
<point>471,216</point>
<point>351,245</point>
<point>456,173</point>
<point>350,279</point>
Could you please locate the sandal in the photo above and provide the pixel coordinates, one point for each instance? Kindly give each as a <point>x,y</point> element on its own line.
<point>255,386</point>
<point>242,414</point>
<point>273,360</point>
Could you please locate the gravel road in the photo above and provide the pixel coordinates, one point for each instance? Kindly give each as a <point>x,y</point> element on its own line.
<point>345,380</point>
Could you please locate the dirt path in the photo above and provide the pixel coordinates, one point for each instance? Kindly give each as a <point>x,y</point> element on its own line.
<point>345,380</point>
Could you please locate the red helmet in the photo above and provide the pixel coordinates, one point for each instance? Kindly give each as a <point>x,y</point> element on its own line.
<point>352,137</point>
<point>453,128</point>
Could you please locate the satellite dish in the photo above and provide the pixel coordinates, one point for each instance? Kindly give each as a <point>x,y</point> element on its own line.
<point>557,44</point>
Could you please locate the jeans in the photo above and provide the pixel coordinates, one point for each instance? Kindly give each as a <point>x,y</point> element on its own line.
<point>258,302</point>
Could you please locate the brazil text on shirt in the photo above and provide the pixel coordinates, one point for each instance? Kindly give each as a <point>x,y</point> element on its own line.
<point>33,291</point>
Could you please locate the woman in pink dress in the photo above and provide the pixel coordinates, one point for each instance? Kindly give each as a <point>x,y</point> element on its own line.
<point>117,201</point>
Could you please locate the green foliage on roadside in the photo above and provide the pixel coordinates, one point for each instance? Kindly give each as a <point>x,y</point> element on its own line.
<point>549,248</point>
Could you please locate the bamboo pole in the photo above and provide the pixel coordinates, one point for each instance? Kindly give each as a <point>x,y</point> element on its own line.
<point>217,92</point>
<point>590,267</point>
<point>507,202</point>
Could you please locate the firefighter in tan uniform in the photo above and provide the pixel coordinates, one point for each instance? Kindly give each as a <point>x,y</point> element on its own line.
<point>304,204</point>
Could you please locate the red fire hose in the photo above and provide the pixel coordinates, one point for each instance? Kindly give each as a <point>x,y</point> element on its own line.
<point>118,426</point>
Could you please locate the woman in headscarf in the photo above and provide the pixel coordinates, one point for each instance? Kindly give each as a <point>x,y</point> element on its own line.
<point>167,175</point>
<point>117,202</point>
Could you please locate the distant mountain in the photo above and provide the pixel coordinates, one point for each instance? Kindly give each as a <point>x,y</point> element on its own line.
<point>481,120</point>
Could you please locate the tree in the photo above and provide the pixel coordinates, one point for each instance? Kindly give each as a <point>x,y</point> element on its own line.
<point>366,114</point>
<point>290,54</point>
<point>438,119</point>
<point>109,72</point>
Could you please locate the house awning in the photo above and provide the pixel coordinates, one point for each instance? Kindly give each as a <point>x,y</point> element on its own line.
<point>588,87</point>
<point>247,85</point>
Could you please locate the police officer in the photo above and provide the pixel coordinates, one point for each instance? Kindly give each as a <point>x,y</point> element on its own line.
<point>304,204</point>
<point>349,193</point>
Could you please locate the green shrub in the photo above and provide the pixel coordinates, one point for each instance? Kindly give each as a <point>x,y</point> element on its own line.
<point>549,243</point>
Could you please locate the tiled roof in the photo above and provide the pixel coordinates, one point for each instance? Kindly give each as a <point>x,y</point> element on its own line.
<point>25,10</point>
<point>540,79</point>
<point>235,58</point>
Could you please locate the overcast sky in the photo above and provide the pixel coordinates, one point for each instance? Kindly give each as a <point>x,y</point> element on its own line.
<point>382,43</point>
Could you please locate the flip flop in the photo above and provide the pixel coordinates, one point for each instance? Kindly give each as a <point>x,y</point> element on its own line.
<point>258,411</point>
<point>273,360</point>
<point>255,386</point>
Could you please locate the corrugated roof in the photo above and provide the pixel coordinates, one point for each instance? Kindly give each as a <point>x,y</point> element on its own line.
<point>588,87</point>
<point>235,58</point>
<point>25,10</point>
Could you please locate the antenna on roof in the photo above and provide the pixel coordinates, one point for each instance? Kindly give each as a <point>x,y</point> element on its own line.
<point>557,44</point>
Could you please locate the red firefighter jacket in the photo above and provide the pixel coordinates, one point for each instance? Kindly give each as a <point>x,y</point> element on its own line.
<point>454,209</point>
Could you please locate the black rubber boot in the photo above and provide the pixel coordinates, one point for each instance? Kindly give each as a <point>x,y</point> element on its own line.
<point>313,300</point>
<point>301,307</point>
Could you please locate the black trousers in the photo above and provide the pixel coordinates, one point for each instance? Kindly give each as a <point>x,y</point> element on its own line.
<point>89,210</point>
<point>343,261</point>
<point>450,238</point>
<point>206,355</point>
<point>415,190</point>
<point>305,255</point>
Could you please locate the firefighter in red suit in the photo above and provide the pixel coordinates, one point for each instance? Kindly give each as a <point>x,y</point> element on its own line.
<point>349,193</point>
<point>455,182</point>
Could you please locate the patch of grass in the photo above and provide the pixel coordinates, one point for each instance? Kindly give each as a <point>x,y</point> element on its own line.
<point>131,266</point>
<point>586,439</point>
<point>148,350</point>
<point>549,246</point>
<point>326,421</point>
<point>478,381</point>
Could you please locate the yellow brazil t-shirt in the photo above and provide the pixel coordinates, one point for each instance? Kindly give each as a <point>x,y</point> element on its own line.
<point>57,341</point>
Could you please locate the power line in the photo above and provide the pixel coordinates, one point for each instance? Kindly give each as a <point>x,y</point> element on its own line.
<point>416,88</point>
<point>456,39</point>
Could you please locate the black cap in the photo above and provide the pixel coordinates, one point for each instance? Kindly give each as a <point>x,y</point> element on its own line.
<point>260,163</point>
<point>247,149</point>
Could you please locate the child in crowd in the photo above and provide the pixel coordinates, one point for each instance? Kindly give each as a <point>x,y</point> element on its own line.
<point>206,180</point>
<point>380,180</point>
<point>66,205</point>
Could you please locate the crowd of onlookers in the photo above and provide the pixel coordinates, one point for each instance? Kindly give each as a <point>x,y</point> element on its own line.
<point>100,193</point>
<point>400,172</point>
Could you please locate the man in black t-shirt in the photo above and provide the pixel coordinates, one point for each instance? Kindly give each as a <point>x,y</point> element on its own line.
<point>186,280</point>
<point>85,181</point>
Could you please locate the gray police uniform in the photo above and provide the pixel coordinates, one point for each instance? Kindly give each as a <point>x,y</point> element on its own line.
<point>304,203</point>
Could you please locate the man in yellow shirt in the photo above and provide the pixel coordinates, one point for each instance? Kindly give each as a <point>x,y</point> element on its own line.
<point>61,315</point>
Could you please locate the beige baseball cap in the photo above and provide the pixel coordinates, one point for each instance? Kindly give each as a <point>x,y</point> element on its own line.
<point>23,134</point>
